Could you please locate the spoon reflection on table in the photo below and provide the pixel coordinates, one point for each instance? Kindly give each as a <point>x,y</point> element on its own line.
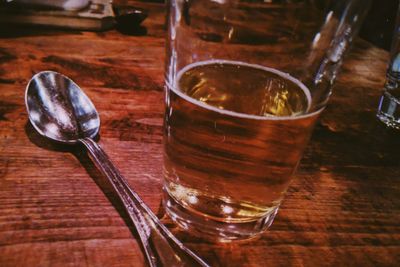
<point>59,110</point>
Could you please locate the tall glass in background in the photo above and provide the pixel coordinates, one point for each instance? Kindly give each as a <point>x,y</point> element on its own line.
<point>245,84</point>
<point>389,104</point>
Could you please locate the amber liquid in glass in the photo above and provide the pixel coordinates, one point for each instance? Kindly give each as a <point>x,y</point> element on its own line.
<point>234,134</point>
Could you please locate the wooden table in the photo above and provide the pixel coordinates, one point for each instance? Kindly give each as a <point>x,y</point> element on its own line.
<point>343,209</point>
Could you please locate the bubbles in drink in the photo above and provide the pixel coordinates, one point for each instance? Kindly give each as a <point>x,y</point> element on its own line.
<point>244,88</point>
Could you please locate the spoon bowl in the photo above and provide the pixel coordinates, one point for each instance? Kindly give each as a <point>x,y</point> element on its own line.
<point>59,109</point>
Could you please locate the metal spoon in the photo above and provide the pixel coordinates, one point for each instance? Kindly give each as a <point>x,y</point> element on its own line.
<point>58,109</point>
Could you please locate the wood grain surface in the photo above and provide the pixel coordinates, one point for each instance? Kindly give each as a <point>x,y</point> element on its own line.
<point>56,209</point>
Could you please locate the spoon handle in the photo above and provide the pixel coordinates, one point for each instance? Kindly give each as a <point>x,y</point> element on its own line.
<point>162,248</point>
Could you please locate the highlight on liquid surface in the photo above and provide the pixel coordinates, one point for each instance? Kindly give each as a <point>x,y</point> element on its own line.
<point>234,134</point>
<point>244,88</point>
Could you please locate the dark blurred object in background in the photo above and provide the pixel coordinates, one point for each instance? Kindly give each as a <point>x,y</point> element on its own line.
<point>378,26</point>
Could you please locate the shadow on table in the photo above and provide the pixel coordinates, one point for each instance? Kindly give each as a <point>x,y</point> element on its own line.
<point>79,151</point>
<point>16,31</point>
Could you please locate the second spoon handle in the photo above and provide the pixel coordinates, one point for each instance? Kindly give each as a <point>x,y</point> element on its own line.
<point>162,248</point>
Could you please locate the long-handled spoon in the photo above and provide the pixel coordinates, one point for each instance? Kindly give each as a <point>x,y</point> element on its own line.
<point>58,109</point>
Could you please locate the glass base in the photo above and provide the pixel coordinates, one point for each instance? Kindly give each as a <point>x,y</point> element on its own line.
<point>389,110</point>
<point>215,231</point>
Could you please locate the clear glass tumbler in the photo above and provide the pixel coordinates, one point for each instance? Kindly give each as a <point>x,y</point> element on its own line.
<point>389,104</point>
<point>245,83</point>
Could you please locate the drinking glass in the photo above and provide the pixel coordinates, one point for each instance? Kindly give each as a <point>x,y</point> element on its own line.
<point>389,104</point>
<point>245,83</point>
